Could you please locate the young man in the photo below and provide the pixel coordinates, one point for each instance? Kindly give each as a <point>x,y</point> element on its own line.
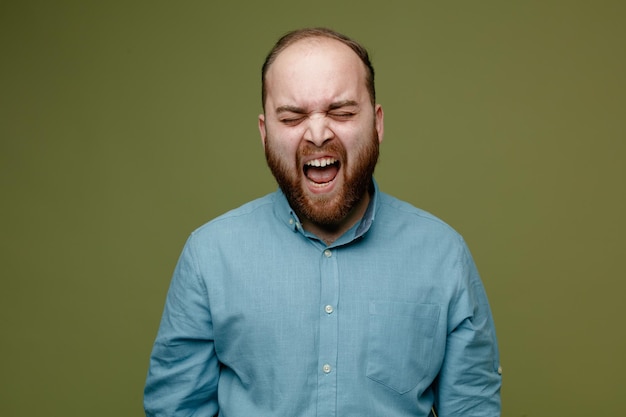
<point>327,297</point>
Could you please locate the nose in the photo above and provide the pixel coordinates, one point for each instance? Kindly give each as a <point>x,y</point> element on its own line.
<point>318,130</point>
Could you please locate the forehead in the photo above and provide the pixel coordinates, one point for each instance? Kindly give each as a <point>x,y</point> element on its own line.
<point>314,70</point>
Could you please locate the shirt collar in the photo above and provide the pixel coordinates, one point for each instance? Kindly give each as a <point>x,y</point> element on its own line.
<point>287,216</point>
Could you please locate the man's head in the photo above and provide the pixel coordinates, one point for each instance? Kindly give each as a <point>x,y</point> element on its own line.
<point>300,34</point>
<point>320,128</point>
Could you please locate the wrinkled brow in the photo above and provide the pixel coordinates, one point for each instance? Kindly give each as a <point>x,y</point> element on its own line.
<point>299,110</point>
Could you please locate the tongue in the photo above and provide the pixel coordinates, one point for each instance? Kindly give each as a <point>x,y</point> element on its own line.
<point>322,175</point>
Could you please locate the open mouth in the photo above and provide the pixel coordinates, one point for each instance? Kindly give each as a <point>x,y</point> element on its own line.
<point>321,171</point>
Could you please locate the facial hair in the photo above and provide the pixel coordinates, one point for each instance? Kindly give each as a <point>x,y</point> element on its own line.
<point>326,211</point>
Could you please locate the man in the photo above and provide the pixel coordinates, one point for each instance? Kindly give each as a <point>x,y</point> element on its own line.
<point>327,297</point>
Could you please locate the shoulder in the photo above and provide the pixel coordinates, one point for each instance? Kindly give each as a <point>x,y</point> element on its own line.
<point>239,219</point>
<point>403,216</point>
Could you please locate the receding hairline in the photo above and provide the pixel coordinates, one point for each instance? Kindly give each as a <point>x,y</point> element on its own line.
<point>311,45</point>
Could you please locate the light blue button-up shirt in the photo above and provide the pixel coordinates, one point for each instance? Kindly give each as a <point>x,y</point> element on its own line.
<point>264,319</point>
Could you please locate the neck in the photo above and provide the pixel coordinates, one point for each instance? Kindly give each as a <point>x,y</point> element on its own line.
<point>330,233</point>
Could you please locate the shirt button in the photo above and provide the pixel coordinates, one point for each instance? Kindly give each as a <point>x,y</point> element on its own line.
<point>291,221</point>
<point>499,370</point>
<point>326,368</point>
<point>329,309</point>
<point>328,253</point>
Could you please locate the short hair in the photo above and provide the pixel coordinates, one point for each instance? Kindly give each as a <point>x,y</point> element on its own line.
<point>297,35</point>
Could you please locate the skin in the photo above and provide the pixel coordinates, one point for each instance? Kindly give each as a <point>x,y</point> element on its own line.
<point>318,110</point>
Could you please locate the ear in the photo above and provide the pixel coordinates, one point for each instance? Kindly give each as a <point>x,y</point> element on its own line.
<point>379,121</point>
<point>262,130</point>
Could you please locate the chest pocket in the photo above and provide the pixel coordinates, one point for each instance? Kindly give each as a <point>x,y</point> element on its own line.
<point>400,343</point>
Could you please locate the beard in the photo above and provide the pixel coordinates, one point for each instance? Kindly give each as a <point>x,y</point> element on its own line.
<point>326,211</point>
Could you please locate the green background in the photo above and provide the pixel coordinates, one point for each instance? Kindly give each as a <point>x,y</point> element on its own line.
<point>125,125</point>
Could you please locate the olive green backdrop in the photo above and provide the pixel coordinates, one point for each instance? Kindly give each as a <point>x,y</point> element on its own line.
<point>126,124</point>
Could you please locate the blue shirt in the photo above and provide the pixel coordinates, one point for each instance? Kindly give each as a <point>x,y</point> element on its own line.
<point>264,319</point>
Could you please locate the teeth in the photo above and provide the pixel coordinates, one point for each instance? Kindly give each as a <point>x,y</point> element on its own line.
<point>322,162</point>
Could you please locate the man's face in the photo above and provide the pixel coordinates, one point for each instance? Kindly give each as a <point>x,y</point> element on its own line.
<point>320,130</point>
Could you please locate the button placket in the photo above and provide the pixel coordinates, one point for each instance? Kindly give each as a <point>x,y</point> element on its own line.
<point>328,336</point>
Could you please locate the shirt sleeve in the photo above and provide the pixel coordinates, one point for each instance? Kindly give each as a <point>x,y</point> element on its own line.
<point>184,370</point>
<point>469,381</point>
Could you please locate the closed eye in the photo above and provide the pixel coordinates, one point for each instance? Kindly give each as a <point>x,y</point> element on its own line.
<point>291,121</point>
<point>341,115</point>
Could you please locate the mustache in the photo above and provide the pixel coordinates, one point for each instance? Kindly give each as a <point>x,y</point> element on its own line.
<point>308,148</point>
<point>332,147</point>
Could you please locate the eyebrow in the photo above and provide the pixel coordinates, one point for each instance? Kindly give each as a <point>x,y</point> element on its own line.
<point>299,110</point>
<point>343,103</point>
<point>290,109</point>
